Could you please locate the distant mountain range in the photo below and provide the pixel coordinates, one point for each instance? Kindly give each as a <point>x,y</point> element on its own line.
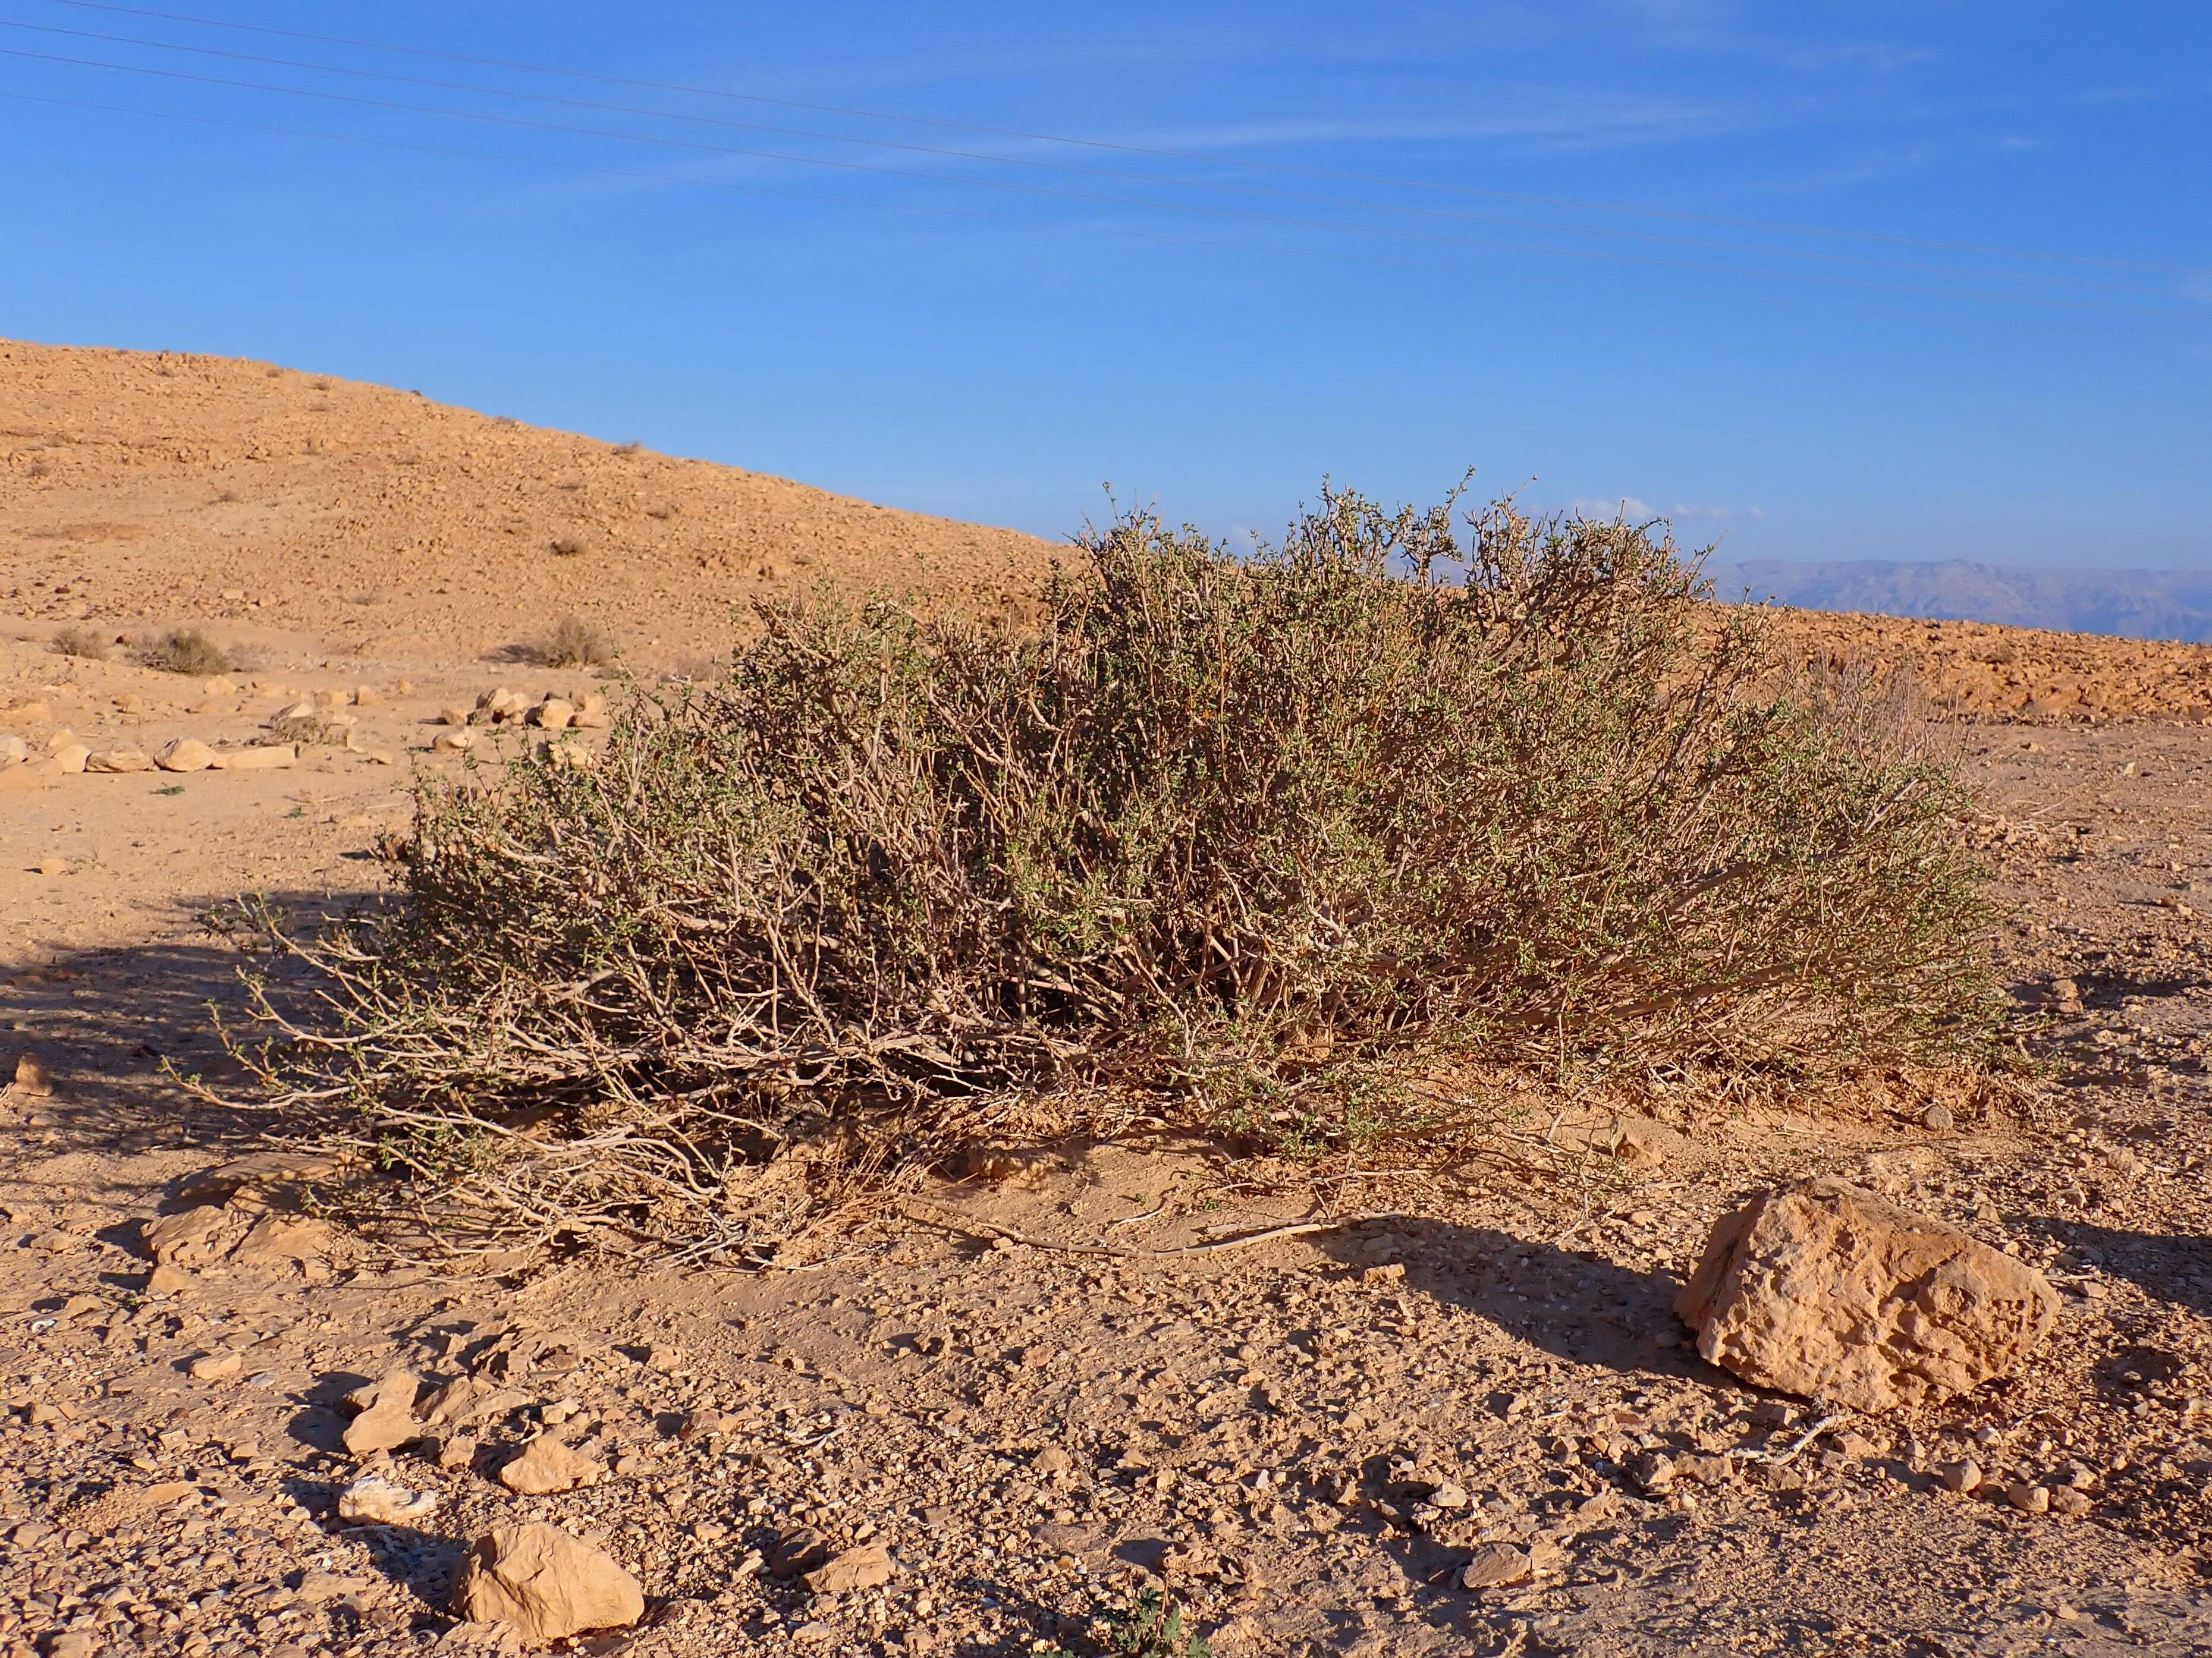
<point>2125,603</point>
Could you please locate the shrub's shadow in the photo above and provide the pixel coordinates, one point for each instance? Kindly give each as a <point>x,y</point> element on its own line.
<point>1573,1304</point>
<point>423,1562</point>
<point>110,1025</point>
<point>2172,1268</point>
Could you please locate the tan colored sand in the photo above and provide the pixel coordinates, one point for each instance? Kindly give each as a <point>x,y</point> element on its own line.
<point>1033,1431</point>
<point>261,502</point>
<point>244,497</point>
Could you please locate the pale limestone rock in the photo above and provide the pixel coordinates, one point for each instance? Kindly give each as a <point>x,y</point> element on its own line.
<point>567,756</point>
<point>545,1584</point>
<point>1495,1565</point>
<point>387,1415</point>
<point>1640,1140</point>
<point>1827,1291</point>
<point>127,758</point>
<point>1964,1477</point>
<point>546,1465</point>
<point>866,1568</point>
<point>184,754</point>
<point>275,1239</point>
<point>256,1178</point>
<point>268,756</point>
<point>375,1501</point>
<point>192,1238</point>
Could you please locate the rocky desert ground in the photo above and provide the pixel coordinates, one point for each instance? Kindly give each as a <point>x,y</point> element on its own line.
<point>1313,1410</point>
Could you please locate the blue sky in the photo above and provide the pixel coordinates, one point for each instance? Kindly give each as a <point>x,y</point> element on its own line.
<point>1764,301</point>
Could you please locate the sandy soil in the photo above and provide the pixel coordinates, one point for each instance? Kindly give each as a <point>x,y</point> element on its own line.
<point>145,488</point>
<point>1036,1435</point>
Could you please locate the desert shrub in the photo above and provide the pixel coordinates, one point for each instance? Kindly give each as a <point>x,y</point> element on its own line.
<point>575,644</point>
<point>1245,839</point>
<point>81,642</point>
<point>186,650</point>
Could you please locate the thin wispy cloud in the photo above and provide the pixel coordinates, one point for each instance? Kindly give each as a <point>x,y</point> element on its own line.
<point>1629,507</point>
<point>1606,121</point>
<point>1623,507</point>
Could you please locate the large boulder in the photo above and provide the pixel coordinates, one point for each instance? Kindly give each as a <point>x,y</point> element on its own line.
<point>545,1584</point>
<point>1827,1291</point>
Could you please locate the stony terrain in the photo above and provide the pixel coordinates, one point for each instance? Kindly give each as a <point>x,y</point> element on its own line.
<point>1302,1441</point>
<point>153,487</point>
<point>145,488</point>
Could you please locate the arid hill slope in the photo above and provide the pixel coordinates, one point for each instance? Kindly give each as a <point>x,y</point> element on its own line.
<point>151,486</point>
<point>1983,670</point>
<point>140,488</point>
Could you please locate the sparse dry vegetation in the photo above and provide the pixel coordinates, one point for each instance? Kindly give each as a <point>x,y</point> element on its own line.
<point>82,643</point>
<point>187,651</point>
<point>576,644</point>
<point>1257,844</point>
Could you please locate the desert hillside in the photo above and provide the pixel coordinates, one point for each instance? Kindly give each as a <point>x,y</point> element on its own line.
<point>158,486</point>
<point>266,503</point>
<point>1980,670</point>
<point>1340,1404</point>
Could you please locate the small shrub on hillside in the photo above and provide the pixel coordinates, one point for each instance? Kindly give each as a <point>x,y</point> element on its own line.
<point>1249,840</point>
<point>576,644</point>
<point>186,650</point>
<point>81,642</point>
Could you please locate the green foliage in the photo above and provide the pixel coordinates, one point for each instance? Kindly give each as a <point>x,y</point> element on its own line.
<point>1252,838</point>
<point>1154,1628</point>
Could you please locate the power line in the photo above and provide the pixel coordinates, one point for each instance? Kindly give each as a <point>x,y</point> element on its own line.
<point>1062,167</point>
<point>1279,220</point>
<point>1218,160</point>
